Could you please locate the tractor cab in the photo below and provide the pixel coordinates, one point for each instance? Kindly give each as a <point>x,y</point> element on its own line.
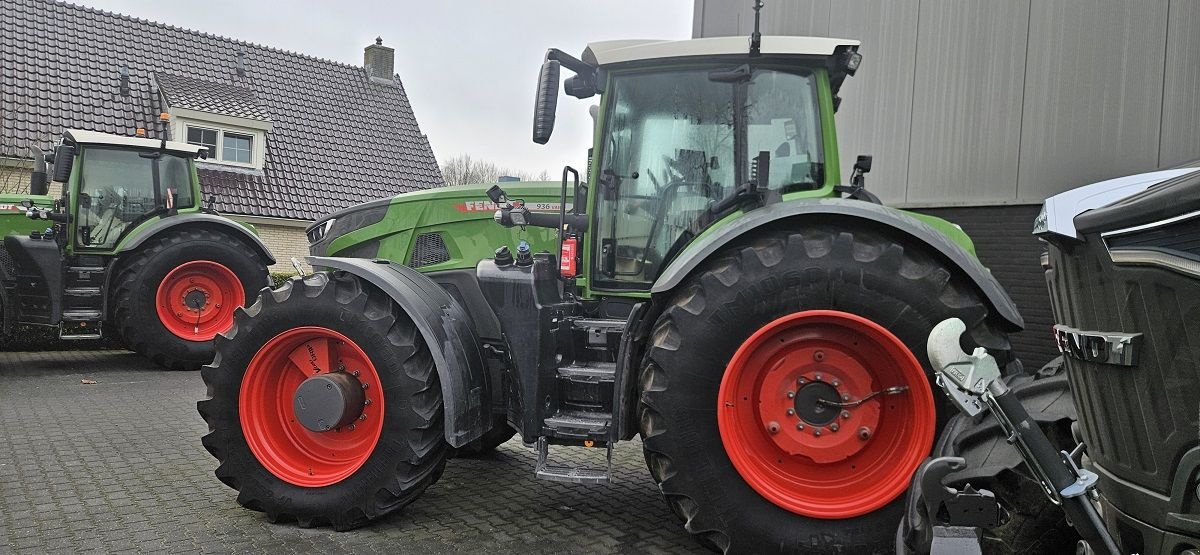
<point>113,183</point>
<point>688,133</point>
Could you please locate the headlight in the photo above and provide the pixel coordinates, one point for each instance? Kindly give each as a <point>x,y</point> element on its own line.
<point>1040,225</point>
<point>320,231</point>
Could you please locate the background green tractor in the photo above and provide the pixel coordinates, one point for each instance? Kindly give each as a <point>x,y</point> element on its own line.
<point>126,247</point>
<point>710,285</point>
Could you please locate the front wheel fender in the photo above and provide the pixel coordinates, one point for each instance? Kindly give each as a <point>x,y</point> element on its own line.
<point>448,331</point>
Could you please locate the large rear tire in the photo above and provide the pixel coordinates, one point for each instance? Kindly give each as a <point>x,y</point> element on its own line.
<point>354,468</point>
<point>179,290</point>
<point>799,316</point>
<point>1034,524</point>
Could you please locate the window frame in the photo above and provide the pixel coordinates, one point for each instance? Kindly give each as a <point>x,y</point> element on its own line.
<point>217,156</point>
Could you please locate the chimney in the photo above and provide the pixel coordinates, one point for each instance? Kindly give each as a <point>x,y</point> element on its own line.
<point>379,61</point>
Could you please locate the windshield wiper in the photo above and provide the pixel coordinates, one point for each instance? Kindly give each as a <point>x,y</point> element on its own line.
<point>751,192</point>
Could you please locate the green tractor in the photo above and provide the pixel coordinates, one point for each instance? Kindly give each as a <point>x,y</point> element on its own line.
<point>710,285</point>
<point>127,247</point>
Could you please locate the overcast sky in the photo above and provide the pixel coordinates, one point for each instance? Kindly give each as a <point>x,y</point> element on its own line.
<point>469,66</point>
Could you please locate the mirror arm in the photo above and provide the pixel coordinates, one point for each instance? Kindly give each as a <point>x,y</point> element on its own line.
<point>570,62</point>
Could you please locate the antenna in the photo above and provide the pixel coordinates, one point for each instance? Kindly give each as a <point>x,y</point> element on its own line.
<point>756,37</point>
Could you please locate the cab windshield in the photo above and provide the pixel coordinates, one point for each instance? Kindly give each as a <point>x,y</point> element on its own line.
<point>678,142</point>
<point>119,187</point>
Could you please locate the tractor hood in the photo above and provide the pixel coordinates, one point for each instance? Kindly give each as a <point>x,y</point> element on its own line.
<point>364,229</point>
<point>1064,212</point>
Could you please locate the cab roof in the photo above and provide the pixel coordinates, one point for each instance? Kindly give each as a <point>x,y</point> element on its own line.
<point>621,51</point>
<point>96,138</point>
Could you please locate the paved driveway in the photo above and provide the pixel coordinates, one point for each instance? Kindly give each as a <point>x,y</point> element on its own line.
<point>118,466</point>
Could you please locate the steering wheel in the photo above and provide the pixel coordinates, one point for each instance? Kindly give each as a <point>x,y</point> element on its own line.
<point>667,198</point>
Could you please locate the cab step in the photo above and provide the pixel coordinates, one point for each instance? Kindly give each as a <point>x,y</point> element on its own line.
<point>82,291</point>
<point>574,474</point>
<point>578,427</point>
<point>81,316</point>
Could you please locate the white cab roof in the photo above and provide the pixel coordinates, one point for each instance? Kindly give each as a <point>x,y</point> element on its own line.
<point>620,51</point>
<point>96,138</point>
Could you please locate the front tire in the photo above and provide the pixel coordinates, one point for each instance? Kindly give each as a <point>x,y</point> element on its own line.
<point>351,468</point>
<point>178,291</point>
<point>866,302</point>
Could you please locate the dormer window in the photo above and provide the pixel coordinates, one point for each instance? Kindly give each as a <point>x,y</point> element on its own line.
<point>226,119</point>
<point>226,145</point>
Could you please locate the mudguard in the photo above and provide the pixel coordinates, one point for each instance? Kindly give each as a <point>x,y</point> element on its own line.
<point>865,212</point>
<point>448,331</point>
<point>225,224</point>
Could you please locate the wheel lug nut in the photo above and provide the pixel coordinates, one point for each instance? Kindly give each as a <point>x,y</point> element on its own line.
<point>341,367</point>
<point>365,386</point>
<point>773,427</point>
<point>864,433</point>
<point>350,427</point>
<point>817,377</point>
<point>791,395</point>
<point>845,397</point>
<point>845,414</point>
<point>355,373</point>
<point>801,380</point>
<point>367,402</point>
<point>791,412</point>
<point>362,417</point>
<point>799,425</point>
<point>833,427</point>
<point>835,383</point>
<point>817,432</point>
<point>819,356</point>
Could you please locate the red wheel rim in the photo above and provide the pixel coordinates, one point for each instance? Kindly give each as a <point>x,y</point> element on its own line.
<point>811,457</point>
<point>196,300</point>
<point>287,449</point>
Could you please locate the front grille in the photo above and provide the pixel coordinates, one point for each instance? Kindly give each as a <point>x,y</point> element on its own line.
<point>6,262</point>
<point>429,249</point>
<point>1137,421</point>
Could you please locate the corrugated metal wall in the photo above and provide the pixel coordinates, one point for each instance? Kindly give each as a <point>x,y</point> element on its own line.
<point>984,102</point>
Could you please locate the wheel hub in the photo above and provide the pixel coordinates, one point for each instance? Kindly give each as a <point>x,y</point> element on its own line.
<point>328,401</point>
<point>196,299</point>
<point>816,403</point>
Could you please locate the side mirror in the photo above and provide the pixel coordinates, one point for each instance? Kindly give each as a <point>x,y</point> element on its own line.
<point>863,163</point>
<point>39,184</point>
<point>546,104</point>
<point>64,158</point>
<point>497,195</point>
<point>27,204</point>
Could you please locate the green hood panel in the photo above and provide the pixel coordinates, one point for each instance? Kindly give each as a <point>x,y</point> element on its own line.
<point>13,218</point>
<point>454,225</point>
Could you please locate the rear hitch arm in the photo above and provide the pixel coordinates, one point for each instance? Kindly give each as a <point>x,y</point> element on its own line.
<point>974,384</point>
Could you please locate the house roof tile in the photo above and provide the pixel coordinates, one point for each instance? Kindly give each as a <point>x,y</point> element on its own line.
<point>337,138</point>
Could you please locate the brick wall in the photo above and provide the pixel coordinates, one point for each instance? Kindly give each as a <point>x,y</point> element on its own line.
<point>1005,244</point>
<point>15,180</point>
<point>284,242</point>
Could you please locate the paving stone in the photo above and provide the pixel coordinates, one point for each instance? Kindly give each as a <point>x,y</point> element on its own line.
<point>118,466</point>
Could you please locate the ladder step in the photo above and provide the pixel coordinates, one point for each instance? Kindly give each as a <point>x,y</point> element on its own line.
<point>578,475</point>
<point>78,336</point>
<point>589,372</point>
<point>81,316</point>
<point>82,291</point>
<point>86,269</point>
<point>577,426</point>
